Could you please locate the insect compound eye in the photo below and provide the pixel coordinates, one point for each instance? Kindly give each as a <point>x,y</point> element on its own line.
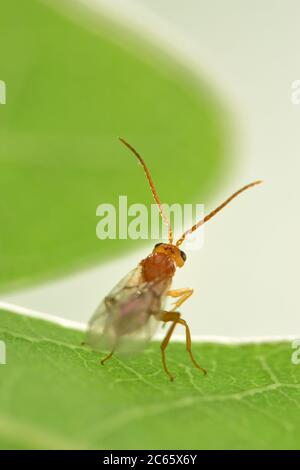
<point>183,255</point>
<point>158,244</point>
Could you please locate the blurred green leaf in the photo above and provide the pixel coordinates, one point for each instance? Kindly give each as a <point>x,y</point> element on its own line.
<point>70,93</point>
<point>55,394</point>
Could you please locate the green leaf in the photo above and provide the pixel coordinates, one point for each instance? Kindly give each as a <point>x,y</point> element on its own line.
<point>72,88</point>
<point>55,394</point>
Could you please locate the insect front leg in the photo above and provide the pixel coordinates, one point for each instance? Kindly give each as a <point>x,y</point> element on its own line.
<point>183,295</point>
<point>175,318</point>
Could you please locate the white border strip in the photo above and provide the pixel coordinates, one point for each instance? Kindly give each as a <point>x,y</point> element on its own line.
<point>199,338</point>
<point>28,312</point>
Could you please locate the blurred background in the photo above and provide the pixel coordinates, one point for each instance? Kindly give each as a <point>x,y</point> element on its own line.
<point>203,90</point>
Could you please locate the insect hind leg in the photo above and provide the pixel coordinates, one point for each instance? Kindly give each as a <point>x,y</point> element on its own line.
<point>168,316</point>
<point>174,317</point>
<point>188,341</point>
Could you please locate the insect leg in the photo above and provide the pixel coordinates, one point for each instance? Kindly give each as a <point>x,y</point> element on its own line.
<point>110,354</point>
<point>175,318</point>
<point>107,357</point>
<point>183,293</point>
<point>166,317</point>
<point>189,345</point>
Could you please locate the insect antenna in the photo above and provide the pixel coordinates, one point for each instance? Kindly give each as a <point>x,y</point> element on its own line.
<point>215,211</point>
<point>152,187</point>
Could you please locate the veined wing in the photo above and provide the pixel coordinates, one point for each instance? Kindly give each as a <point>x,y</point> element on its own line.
<point>128,316</point>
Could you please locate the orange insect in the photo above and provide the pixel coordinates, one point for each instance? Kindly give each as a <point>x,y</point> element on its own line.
<point>128,316</point>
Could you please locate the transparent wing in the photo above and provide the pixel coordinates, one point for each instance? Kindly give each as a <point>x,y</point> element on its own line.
<point>127,318</point>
